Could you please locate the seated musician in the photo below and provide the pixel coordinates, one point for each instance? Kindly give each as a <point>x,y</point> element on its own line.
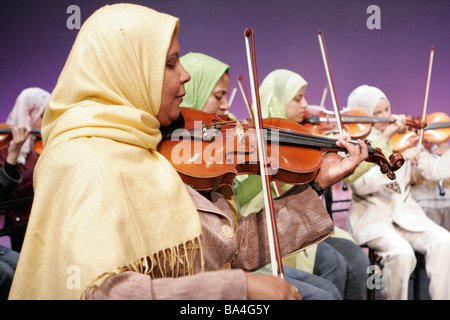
<point>384,215</point>
<point>17,161</point>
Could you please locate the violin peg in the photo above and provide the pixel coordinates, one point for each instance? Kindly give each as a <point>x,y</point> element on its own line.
<point>391,175</point>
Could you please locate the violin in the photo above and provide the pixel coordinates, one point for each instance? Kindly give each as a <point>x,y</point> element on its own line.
<point>209,152</point>
<point>38,146</point>
<point>224,117</point>
<point>356,122</point>
<point>6,137</point>
<point>436,130</point>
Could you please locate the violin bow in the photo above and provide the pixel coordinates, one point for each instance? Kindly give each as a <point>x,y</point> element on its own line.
<point>232,95</point>
<point>244,93</point>
<point>425,101</point>
<point>324,95</point>
<point>274,244</point>
<point>333,91</point>
<point>330,83</point>
<point>275,184</point>
<point>424,113</point>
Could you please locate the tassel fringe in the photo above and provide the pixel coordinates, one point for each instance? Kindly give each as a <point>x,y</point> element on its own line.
<point>172,262</point>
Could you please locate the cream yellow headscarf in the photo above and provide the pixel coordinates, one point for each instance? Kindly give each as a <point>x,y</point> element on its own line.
<point>105,200</point>
<point>278,89</point>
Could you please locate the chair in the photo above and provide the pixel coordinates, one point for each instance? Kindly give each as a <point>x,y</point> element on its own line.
<point>374,259</point>
<point>416,274</point>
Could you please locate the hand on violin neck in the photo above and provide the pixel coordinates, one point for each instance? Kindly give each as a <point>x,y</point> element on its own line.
<point>396,125</point>
<point>19,136</point>
<point>335,167</point>
<point>412,154</point>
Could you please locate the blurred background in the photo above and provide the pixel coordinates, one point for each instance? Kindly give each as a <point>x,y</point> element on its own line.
<point>36,41</point>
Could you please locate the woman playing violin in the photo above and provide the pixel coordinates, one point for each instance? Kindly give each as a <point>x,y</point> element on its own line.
<point>384,216</point>
<point>17,163</point>
<point>17,158</point>
<point>338,259</point>
<point>118,220</point>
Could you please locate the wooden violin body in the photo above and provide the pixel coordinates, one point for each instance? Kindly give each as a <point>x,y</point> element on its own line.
<point>437,128</point>
<point>356,122</point>
<point>436,131</point>
<point>5,135</point>
<point>208,152</point>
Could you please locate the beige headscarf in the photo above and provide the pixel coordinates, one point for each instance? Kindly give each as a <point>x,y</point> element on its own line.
<point>277,89</point>
<point>105,200</point>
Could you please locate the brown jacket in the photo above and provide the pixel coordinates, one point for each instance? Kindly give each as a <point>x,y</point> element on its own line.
<point>229,249</point>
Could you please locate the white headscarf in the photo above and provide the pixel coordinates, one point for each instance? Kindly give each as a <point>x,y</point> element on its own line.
<point>365,97</point>
<point>29,107</point>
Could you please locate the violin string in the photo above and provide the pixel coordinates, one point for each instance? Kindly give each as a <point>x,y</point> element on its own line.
<point>304,139</point>
<point>8,131</point>
<point>350,118</point>
<point>437,125</point>
<point>300,139</point>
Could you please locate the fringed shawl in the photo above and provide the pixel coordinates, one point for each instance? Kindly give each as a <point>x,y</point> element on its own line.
<point>105,200</point>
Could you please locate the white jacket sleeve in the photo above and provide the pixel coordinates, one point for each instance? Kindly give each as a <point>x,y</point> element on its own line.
<point>433,168</point>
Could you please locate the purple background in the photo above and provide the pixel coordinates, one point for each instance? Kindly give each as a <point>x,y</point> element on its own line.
<point>35,43</point>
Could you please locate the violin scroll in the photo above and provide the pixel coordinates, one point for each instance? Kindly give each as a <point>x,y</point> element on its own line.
<point>388,167</point>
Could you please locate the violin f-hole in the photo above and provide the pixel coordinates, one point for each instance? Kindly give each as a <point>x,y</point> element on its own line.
<point>230,156</point>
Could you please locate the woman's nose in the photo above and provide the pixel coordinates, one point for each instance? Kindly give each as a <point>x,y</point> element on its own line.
<point>185,76</point>
<point>304,103</point>
<point>224,104</point>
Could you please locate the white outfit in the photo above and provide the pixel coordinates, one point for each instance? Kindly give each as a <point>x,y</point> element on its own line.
<point>384,216</point>
<point>436,205</point>
<point>434,199</point>
<point>433,168</point>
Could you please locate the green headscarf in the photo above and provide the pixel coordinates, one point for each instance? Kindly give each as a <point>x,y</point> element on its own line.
<point>277,90</point>
<point>205,72</point>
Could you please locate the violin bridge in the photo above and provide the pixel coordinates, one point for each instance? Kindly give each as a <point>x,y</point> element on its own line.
<point>239,131</point>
